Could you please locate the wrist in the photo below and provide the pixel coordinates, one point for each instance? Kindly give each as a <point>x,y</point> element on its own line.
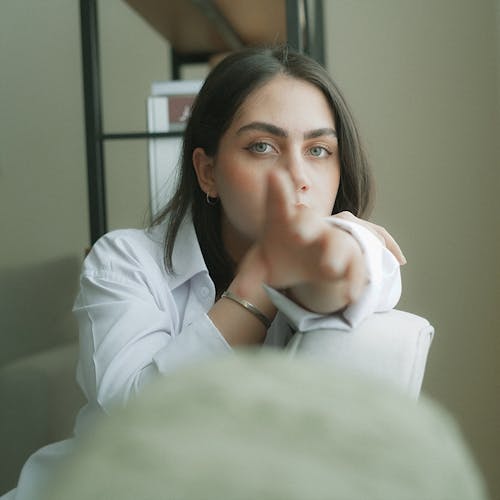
<point>322,298</point>
<point>249,280</point>
<point>257,313</point>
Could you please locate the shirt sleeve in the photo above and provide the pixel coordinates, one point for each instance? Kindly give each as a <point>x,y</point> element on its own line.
<point>130,327</point>
<point>382,292</point>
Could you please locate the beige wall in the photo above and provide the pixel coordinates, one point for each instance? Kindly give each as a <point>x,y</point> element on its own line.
<point>42,176</point>
<point>421,77</point>
<point>43,190</point>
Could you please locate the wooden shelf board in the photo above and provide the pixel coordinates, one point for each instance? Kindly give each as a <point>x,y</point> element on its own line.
<point>184,25</point>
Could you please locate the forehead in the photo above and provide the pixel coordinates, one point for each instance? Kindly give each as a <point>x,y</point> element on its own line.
<point>286,101</point>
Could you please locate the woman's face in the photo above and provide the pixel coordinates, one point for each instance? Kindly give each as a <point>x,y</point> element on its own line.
<point>285,124</point>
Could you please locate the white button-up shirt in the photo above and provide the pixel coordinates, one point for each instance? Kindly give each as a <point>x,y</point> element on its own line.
<point>137,320</point>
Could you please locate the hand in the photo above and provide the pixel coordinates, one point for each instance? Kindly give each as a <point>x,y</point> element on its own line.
<point>320,264</point>
<point>380,232</point>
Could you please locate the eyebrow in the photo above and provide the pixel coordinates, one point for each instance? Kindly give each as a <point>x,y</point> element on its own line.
<point>320,132</point>
<point>280,132</point>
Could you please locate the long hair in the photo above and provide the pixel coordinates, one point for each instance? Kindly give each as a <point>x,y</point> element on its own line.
<point>224,91</point>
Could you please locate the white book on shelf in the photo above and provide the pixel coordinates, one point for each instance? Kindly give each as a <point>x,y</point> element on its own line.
<point>164,155</point>
<point>178,96</point>
<point>176,87</point>
<point>169,108</point>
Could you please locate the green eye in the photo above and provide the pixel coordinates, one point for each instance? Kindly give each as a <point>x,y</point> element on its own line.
<point>319,151</point>
<point>260,147</point>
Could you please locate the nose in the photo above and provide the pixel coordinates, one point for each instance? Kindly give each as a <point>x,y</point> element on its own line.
<point>298,173</point>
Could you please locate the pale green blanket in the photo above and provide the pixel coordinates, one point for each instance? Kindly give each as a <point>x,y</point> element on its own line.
<point>264,426</point>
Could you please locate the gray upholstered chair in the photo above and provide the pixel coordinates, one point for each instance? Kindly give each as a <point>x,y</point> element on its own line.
<point>391,346</point>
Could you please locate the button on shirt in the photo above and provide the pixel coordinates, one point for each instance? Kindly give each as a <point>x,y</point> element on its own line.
<point>137,320</point>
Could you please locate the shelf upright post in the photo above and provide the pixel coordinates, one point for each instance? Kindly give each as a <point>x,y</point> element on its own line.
<point>304,27</point>
<point>93,119</point>
<point>315,32</point>
<point>176,64</point>
<point>294,23</point>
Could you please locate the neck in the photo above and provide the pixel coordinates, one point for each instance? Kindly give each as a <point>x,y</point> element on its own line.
<point>235,243</point>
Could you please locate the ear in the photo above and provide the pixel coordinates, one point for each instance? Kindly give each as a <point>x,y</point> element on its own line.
<point>204,168</point>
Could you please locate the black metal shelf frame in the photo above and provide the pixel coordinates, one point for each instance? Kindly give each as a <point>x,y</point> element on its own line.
<point>304,21</point>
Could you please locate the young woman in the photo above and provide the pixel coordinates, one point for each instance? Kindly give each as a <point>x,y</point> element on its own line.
<point>270,152</point>
<point>260,239</point>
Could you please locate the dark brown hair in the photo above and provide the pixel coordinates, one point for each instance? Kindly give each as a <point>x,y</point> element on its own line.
<point>224,91</point>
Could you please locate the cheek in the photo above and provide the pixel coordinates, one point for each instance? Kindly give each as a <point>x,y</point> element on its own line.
<point>242,194</point>
<point>327,186</point>
<point>237,181</point>
<point>239,186</point>
<point>334,178</point>
<point>336,184</point>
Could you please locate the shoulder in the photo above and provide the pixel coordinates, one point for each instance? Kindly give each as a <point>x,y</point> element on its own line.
<point>126,248</point>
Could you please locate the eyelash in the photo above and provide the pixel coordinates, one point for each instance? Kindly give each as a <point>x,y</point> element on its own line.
<point>252,149</point>
<point>325,150</point>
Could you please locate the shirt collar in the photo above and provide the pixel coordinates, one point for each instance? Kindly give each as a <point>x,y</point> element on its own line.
<point>187,258</point>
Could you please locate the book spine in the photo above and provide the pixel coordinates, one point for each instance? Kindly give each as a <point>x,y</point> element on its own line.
<point>158,114</point>
<point>176,87</point>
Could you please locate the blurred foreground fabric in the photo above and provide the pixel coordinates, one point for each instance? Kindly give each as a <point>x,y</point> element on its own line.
<point>267,426</point>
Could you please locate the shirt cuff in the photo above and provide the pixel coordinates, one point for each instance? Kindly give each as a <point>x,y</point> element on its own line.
<point>198,341</point>
<point>381,293</point>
